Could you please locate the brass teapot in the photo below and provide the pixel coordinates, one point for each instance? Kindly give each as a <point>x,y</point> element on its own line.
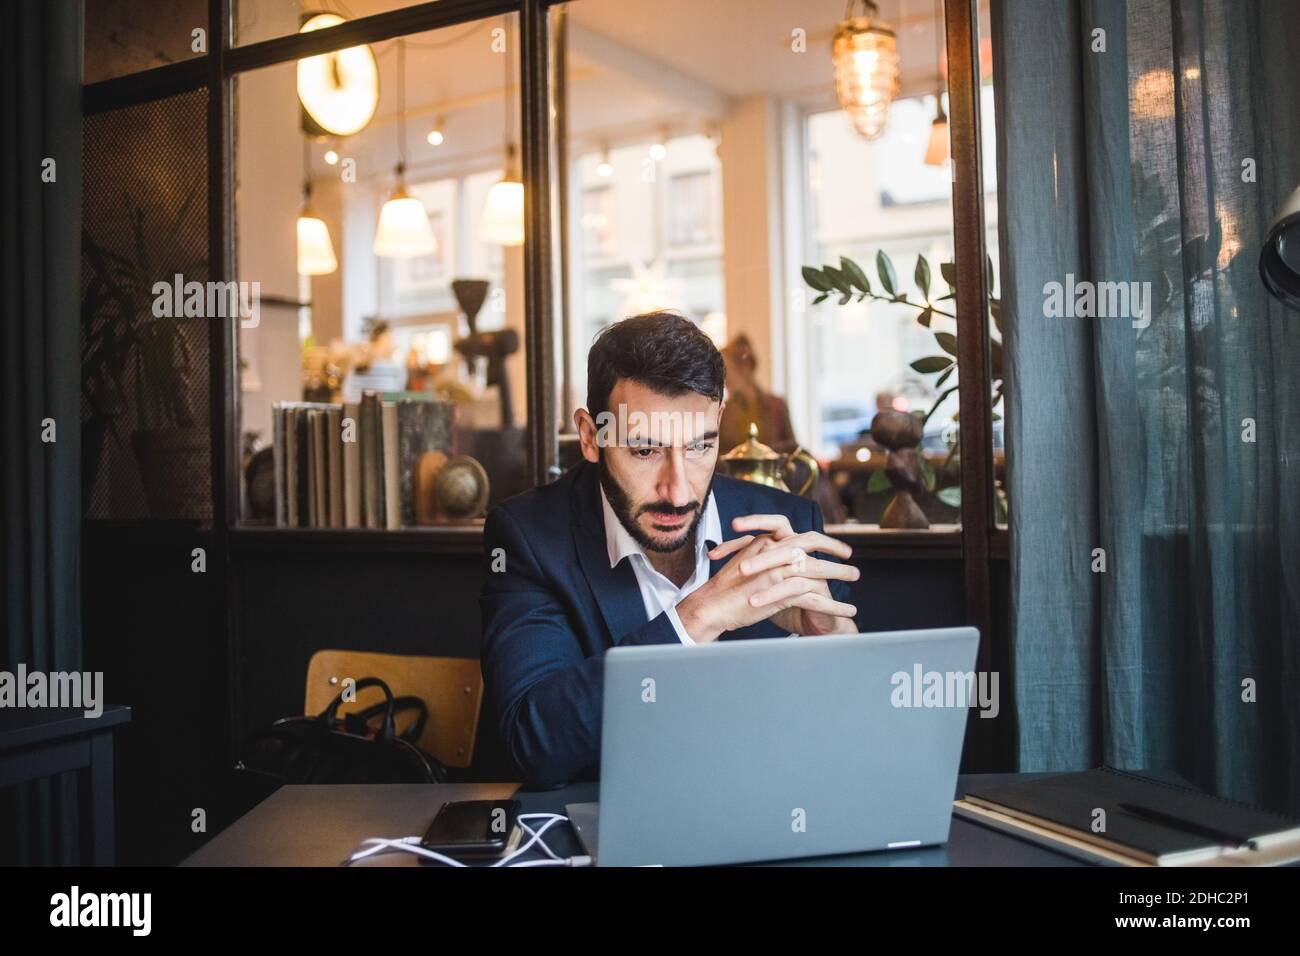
<point>751,460</point>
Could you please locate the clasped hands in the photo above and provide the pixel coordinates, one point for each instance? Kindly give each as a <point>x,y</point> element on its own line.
<point>772,576</point>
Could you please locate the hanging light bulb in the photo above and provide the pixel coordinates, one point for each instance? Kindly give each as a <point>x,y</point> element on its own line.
<point>404,230</point>
<point>503,212</point>
<point>937,150</point>
<point>659,148</point>
<point>436,137</point>
<point>315,251</point>
<point>331,157</point>
<point>865,55</point>
<point>604,170</point>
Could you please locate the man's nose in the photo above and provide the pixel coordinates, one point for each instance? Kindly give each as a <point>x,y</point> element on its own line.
<point>673,485</point>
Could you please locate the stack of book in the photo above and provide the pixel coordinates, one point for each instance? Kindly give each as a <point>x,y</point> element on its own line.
<point>359,464</point>
<point>1117,817</point>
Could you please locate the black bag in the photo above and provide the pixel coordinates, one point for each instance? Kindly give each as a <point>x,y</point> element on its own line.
<point>330,749</point>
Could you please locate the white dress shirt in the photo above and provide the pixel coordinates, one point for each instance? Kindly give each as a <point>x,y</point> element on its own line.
<point>658,594</point>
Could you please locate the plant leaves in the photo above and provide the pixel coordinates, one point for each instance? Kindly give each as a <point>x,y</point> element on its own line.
<point>855,274</point>
<point>838,280</point>
<point>931,364</point>
<point>951,496</point>
<point>922,277</point>
<point>885,269</point>
<point>878,482</point>
<point>995,310</point>
<point>947,341</point>
<point>820,298</point>
<point>816,279</point>
<point>927,473</point>
<point>925,317</point>
<point>938,382</point>
<point>949,272</point>
<point>939,401</point>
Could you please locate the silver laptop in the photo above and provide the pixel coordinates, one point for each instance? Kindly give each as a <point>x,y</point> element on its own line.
<point>774,749</point>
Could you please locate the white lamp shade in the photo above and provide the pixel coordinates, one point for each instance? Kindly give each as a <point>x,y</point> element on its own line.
<point>315,251</point>
<point>503,214</point>
<point>404,229</point>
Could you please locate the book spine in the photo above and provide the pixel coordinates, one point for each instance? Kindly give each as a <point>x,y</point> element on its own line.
<point>392,468</point>
<point>313,474</point>
<point>291,466</point>
<point>351,466</point>
<point>334,448</point>
<point>277,453</point>
<point>321,422</point>
<point>371,471</point>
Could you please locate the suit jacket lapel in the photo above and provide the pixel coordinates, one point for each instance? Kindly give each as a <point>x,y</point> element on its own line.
<point>615,590</point>
<point>729,507</point>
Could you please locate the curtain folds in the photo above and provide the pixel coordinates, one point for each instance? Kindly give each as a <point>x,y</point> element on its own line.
<point>40,256</point>
<point>1154,458</point>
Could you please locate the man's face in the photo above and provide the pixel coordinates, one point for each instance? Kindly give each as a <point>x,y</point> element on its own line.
<point>656,455</point>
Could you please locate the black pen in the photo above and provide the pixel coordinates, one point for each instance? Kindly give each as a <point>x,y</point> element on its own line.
<point>1152,815</point>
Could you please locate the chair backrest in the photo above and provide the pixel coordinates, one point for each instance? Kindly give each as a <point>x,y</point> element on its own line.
<point>451,687</point>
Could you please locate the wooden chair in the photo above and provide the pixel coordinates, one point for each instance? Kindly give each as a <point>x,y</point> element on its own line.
<point>451,687</point>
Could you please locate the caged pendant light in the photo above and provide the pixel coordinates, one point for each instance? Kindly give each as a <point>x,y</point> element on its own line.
<point>865,55</point>
<point>404,231</point>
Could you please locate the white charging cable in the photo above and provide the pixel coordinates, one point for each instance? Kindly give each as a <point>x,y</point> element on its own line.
<point>411,844</point>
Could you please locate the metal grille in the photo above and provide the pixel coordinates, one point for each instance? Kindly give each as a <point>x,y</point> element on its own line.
<point>146,448</point>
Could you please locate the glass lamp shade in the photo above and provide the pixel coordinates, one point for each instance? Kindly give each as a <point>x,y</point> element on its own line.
<point>315,251</point>
<point>404,230</point>
<point>503,214</point>
<point>865,55</point>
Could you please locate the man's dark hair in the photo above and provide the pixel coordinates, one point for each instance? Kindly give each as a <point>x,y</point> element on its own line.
<point>664,351</point>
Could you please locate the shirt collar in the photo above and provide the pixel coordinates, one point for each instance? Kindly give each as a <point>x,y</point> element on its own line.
<point>620,544</point>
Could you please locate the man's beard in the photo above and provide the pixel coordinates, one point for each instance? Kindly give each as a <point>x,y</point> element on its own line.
<point>622,505</point>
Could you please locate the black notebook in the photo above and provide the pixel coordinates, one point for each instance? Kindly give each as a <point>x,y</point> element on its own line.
<point>1142,818</point>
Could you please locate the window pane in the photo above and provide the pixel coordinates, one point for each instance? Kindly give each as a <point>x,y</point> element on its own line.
<point>129,36</point>
<point>706,166</point>
<point>379,276</point>
<point>257,20</point>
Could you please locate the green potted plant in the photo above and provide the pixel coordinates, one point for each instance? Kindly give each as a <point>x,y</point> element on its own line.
<point>127,350</point>
<point>850,283</point>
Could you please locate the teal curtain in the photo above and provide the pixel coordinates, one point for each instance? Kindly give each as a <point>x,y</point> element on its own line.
<point>1153,459</point>
<point>40,261</point>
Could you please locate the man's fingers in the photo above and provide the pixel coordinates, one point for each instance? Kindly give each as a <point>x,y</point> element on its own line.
<point>816,601</point>
<point>730,547</point>
<point>799,562</point>
<point>782,592</point>
<point>816,541</point>
<point>778,525</point>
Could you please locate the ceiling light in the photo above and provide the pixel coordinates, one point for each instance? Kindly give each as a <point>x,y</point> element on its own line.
<point>865,55</point>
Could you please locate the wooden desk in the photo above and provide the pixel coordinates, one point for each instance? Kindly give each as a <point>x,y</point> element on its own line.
<point>322,825</point>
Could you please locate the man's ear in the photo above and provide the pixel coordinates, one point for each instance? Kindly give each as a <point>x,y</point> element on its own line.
<point>587,434</point>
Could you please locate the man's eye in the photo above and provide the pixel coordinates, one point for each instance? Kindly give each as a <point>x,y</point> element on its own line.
<point>698,450</point>
<point>644,451</point>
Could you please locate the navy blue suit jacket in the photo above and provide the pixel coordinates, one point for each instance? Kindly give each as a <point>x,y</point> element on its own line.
<point>554,609</point>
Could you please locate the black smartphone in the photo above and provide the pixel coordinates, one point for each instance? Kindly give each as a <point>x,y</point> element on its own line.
<point>472,828</point>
